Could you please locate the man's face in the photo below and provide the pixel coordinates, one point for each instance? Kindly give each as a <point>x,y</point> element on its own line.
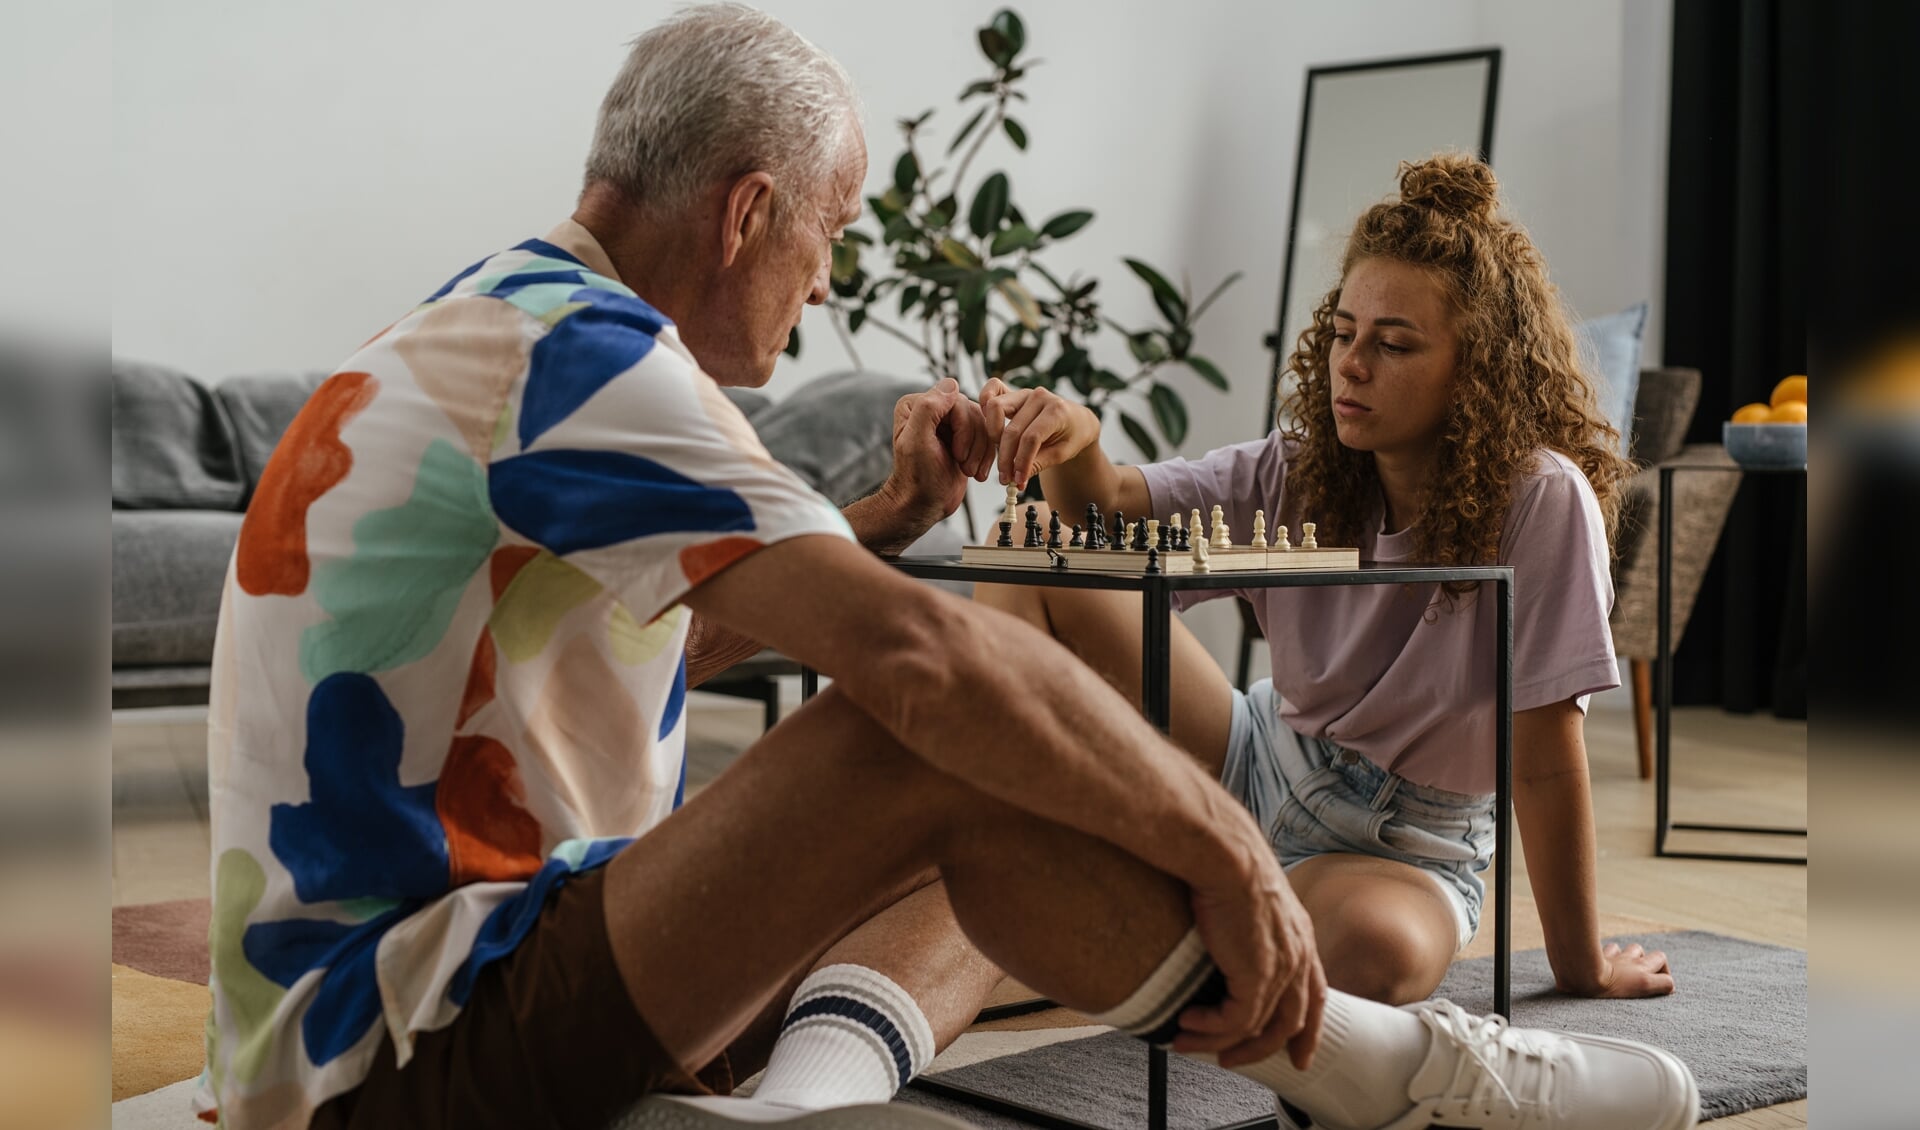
<point>774,279</point>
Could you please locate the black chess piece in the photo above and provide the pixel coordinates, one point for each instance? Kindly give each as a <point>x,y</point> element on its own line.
<point>1053,531</point>
<point>1140,536</point>
<point>1006,535</point>
<point>1180,540</point>
<point>1079,538</point>
<point>1095,534</point>
<point>1165,542</point>
<point>1033,528</point>
<point>1119,541</point>
<point>1153,560</point>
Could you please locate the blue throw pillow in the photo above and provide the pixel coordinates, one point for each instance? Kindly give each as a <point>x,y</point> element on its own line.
<point>1610,348</point>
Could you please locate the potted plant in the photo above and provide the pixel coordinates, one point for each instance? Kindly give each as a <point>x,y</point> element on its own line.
<point>957,273</point>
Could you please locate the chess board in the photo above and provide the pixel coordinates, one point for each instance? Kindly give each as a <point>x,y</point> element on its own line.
<point>1239,559</point>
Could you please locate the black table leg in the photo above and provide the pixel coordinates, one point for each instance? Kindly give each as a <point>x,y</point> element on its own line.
<point>1503,799</point>
<point>1156,696</point>
<point>1663,717</point>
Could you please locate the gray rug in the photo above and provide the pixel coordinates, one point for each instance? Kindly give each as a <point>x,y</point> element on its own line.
<point>1738,1020</point>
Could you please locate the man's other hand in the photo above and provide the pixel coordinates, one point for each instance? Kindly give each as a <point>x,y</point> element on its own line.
<point>939,442</point>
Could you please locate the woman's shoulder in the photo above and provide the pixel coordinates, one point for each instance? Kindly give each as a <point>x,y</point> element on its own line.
<point>1553,491</point>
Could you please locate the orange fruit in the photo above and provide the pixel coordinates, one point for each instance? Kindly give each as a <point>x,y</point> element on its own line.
<point>1789,412</point>
<point>1755,413</point>
<point>1788,390</point>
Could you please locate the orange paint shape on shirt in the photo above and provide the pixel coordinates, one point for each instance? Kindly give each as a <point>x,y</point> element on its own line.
<point>479,690</point>
<point>309,461</point>
<point>701,561</point>
<point>506,564</point>
<point>490,835</point>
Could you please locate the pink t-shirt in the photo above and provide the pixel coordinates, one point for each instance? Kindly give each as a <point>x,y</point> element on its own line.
<point>1384,670</point>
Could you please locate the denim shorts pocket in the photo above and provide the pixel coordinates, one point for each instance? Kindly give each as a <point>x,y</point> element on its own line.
<point>1453,838</point>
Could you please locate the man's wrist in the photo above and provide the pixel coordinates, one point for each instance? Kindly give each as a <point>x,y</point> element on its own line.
<point>883,522</point>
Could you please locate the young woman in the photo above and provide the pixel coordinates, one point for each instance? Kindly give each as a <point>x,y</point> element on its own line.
<point>1439,413</point>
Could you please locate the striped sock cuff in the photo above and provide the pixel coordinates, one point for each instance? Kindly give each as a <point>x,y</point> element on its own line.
<point>866,1001</point>
<point>1153,1011</point>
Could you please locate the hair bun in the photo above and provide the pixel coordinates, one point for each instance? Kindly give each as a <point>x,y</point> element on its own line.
<point>1452,184</point>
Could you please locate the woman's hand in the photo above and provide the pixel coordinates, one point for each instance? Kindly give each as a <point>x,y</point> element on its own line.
<point>1036,428</point>
<point>1627,973</point>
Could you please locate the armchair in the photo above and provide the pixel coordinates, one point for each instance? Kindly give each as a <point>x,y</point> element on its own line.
<point>1664,406</point>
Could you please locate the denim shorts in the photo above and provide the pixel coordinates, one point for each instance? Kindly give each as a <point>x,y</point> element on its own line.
<point>1314,797</point>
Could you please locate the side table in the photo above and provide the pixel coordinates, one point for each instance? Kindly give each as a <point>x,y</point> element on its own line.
<point>1663,687</point>
<point>1156,627</point>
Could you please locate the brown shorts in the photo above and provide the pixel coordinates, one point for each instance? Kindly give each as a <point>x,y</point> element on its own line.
<point>549,1038</point>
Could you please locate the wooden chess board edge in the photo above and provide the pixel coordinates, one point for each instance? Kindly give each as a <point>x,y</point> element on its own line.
<point>1238,559</point>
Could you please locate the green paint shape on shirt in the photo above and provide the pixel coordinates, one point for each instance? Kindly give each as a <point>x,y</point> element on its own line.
<point>362,910</point>
<point>526,615</point>
<point>558,314</point>
<point>238,886</point>
<point>540,298</point>
<point>503,427</point>
<point>539,263</point>
<point>602,282</point>
<point>632,644</point>
<point>392,600</point>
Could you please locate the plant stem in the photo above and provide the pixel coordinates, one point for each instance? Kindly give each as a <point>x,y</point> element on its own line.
<point>999,113</point>
<point>921,347</point>
<point>846,338</point>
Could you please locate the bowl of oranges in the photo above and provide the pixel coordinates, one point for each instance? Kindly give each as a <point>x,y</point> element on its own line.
<point>1773,434</point>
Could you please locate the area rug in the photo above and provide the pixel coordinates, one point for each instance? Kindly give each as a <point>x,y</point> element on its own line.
<point>1738,1020</point>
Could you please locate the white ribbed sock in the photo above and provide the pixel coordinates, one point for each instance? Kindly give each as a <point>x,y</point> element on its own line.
<point>1368,1051</point>
<point>851,1036</point>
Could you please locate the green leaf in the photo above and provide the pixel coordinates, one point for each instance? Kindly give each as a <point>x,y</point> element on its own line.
<point>846,260</point>
<point>958,253</point>
<point>886,207</point>
<point>973,329</point>
<point>960,138</point>
<point>1021,299</point>
<point>1065,224</point>
<point>906,173</point>
<point>908,297</point>
<point>983,86</point>
<point>1164,296</point>
<point>944,274</point>
<point>1082,382</point>
<point>1178,342</point>
<point>973,292</point>
<point>856,237</point>
<point>1071,360</point>
<point>1015,238</point>
<point>995,47</point>
<point>1146,347</point>
<point>1138,434</point>
<point>989,206</point>
<point>854,319</point>
<point>911,124</point>
<point>1011,359</point>
<point>900,229</point>
<point>1208,371</point>
<point>1015,133</point>
<point>1169,412</point>
<point>1109,380</point>
<point>793,342</point>
<point>1011,29</point>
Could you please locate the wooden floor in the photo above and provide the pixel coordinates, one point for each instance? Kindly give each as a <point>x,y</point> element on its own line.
<point>1726,768</point>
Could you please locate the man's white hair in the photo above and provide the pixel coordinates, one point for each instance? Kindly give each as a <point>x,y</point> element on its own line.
<point>715,92</point>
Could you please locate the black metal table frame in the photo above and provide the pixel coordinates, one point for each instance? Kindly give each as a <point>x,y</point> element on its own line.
<point>1156,627</point>
<point>1663,691</point>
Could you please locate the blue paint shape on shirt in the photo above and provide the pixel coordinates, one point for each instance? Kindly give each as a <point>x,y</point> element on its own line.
<point>570,500</point>
<point>509,922</point>
<point>363,834</point>
<point>347,1002</point>
<point>577,358</point>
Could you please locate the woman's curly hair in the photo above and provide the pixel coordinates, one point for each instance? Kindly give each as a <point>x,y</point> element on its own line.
<point>1520,384</point>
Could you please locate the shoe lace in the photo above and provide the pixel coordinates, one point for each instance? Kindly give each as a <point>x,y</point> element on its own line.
<point>1495,1060</point>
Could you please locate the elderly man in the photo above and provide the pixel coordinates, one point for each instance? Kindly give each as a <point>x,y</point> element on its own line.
<point>455,883</point>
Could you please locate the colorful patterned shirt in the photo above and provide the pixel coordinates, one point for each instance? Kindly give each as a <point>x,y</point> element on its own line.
<point>450,667</point>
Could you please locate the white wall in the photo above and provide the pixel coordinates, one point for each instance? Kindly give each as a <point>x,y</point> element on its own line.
<point>290,178</point>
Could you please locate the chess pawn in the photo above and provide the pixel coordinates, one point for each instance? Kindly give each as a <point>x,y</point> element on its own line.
<point>1259,529</point>
<point>1222,536</point>
<point>1307,540</point>
<point>1159,536</point>
<point>1119,540</point>
<point>1153,559</point>
<point>1079,538</point>
<point>1053,531</point>
<point>1280,540</point>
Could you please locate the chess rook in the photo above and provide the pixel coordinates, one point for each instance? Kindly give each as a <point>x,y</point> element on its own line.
<point>1307,540</point>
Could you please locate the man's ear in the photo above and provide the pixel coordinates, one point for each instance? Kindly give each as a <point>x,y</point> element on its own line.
<point>748,216</point>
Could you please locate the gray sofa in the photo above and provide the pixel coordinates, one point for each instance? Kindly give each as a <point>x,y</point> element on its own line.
<point>187,454</point>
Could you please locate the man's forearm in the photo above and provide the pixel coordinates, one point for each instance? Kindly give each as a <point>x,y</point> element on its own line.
<point>712,649</point>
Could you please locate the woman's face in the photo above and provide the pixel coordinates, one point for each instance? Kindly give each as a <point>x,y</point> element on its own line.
<point>1392,359</point>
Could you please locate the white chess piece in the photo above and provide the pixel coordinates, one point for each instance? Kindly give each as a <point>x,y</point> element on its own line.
<point>1222,536</point>
<point>1200,554</point>
<point>1306,536</point>
<point>1280,541</point>
<point>1194,529</point>
<point>1259,529</point>
<point>1131,527</point>
<point>1153,533</point>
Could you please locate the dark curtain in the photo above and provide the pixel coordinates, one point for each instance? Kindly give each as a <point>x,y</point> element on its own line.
<point>1739,237</point>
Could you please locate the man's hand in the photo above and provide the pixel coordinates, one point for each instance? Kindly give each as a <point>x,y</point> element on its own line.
<point>1261,938</point>
<point>1034,429</point>
<point>939,442</point>
<point>1628,973</point>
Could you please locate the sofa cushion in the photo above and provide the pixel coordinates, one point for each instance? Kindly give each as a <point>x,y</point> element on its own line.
<point>750,401</point>
<point>836,432</point>
<point>1610,348</point>
<point>173,443</point>
<point>259,407</point>
<point>1662,412</point>
<point>169,567</point>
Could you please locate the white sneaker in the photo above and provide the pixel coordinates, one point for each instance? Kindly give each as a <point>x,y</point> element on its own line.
<point>1481,1074</point>
<point>717,1112</point>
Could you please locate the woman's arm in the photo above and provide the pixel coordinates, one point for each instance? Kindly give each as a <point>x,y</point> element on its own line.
<point>1040,432</point>
<point>1554,804</point>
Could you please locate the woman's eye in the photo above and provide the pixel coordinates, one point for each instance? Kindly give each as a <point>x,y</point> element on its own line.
<point>1392,348</point>
<point>1342,337</point>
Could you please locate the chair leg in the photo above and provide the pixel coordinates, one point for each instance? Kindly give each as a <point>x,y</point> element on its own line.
<point>770,700</point>
<point>1642,672</point>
